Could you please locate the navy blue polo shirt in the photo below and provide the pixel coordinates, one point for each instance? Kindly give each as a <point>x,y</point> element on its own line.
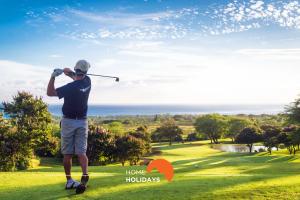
<point>76,95</point>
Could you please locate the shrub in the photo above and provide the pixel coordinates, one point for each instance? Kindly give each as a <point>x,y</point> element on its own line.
<point>143,134</point>
<point>26,128</point>
<point>101,147</point>
<point>129,148</point>
<point>48,147</point>
<point>15,151</point>
<point>193,137</point>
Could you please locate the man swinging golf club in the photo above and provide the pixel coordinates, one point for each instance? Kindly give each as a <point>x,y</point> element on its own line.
<point>74,125</point>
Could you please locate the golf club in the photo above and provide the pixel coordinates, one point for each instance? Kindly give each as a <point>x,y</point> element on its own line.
<point>117,78</point>
<point>114,77</point>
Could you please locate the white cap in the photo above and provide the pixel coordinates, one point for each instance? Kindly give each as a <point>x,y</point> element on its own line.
<point>82,65</point>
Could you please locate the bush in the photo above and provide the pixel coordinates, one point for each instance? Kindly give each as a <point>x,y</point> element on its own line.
<point>129,148</point>
<point>116,128</point>
<point>178,138</point>
<point>48,147</point>
<point>26,128</point>
<point>15,151</point>
<point>101,147</point>
<point>143,134</point>
<point>193,137</point>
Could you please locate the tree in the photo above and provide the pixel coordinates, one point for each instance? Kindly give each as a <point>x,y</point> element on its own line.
<point>129,148</point>
<point>101,146</point>
<point>248,136</point>
<point>169,130</point>
<point>236,125</point>
<point>142,133</point>
<point>213,125</point>
<point>29,114</point>
<point>292,140</point>
<point>271,137</point>
<point>116,128</point>
<point>156,137</point>
<point>288,139</point>
<point>15,152</point>
<point>137,150</point>
<point>29,119</point>
<point>293,112</point>
<point>270,143</point>
<point>294,137</point>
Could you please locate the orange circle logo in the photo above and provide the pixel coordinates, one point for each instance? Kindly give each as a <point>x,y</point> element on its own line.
<point>163,166</point>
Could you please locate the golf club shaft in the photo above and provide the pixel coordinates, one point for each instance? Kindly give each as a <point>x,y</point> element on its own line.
<point>102,75</point>
<point>117,78</point>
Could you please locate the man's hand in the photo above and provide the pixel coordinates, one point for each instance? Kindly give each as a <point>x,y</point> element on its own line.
<point>56,73</point>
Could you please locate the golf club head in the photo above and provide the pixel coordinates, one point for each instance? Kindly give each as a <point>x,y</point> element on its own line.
<point>117,79</point>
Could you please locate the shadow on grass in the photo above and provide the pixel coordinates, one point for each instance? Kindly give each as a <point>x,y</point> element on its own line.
<point>42,192</point>
<point>244,163</point>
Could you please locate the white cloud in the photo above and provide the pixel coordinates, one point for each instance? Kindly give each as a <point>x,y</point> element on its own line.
<point>236,16</point>
<point>239,16</point>
<point>124,19</point>
<point>119,25</point>
<point>17,76</point>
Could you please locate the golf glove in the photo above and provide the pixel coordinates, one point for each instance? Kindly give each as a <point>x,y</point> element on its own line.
<point>56,73</point>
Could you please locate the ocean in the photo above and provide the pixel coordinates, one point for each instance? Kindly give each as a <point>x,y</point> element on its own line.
<point>117,110</point>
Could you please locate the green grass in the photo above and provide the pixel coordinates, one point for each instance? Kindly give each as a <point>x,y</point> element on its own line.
<point>200,173</point>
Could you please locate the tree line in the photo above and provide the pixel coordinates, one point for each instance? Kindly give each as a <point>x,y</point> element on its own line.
<point>31,131</point>
<point>282,130</point>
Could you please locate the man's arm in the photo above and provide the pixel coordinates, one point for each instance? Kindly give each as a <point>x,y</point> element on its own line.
<point>68,72</point>
<point>51,92</point>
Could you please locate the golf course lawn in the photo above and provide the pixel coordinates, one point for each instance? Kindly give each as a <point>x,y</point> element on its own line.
<point>200,173</point>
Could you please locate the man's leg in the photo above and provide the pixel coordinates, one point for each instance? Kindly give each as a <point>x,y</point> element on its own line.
<point>67,148</point>
<point>85,177</point>
<point>83,159</point>
<point>68,165</point>
<point>80,149</point>
<point>81,136</point>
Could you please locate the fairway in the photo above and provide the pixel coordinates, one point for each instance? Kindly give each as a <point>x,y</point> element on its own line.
<point>200,173</point>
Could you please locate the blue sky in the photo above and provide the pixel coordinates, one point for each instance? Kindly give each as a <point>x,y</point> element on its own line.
<point>181,52</point>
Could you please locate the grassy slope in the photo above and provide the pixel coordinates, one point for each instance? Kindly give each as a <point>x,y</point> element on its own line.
<point>200,173</point>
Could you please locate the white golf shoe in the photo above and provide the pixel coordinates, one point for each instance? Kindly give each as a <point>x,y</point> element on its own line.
<point>71,184</point>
